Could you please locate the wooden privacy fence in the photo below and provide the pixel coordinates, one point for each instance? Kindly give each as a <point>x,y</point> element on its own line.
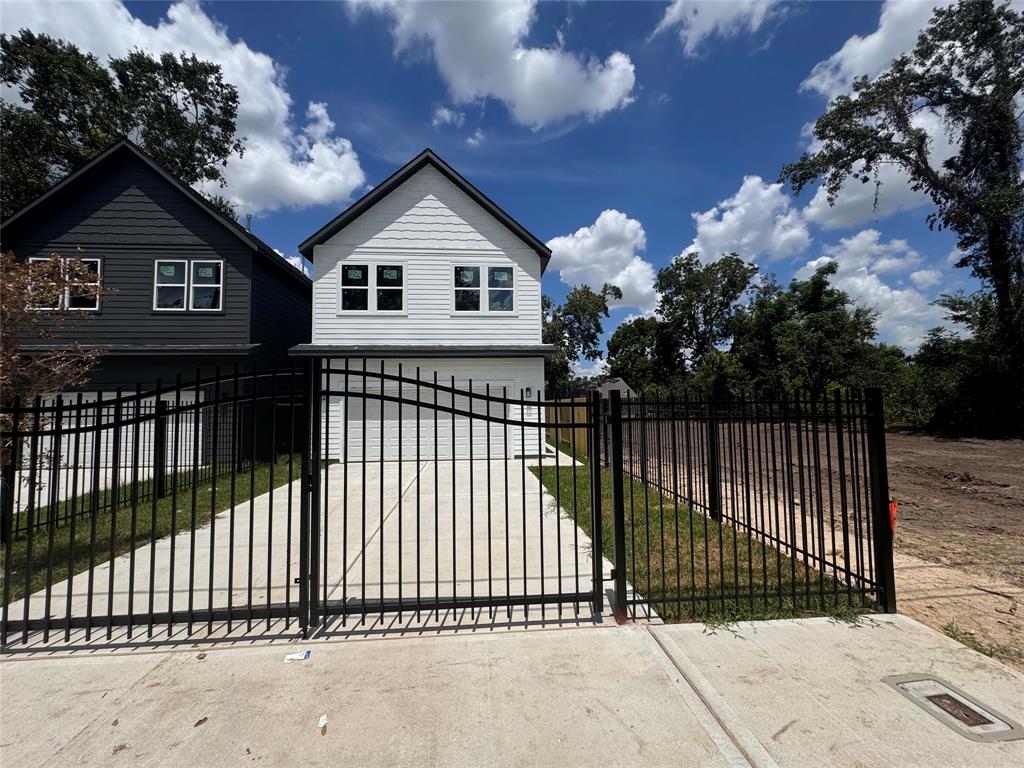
<point>570,411</point>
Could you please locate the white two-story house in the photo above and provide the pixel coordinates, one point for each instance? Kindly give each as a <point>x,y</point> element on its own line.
<point>426,273</point>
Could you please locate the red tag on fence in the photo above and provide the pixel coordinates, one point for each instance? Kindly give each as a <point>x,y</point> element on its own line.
<point>893,504</point>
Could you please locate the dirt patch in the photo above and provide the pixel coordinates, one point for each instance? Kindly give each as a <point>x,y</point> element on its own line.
<point>961,502</point>
<point>961,505</point>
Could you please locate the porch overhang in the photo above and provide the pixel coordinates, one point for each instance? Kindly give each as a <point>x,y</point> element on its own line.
<point>406,350</point>
<point>138,350</point>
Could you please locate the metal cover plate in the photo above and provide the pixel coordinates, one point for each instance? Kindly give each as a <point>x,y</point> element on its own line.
<point>956,708</point>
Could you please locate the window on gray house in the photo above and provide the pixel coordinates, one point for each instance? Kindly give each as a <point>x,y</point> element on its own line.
<point>171,284</point>
<point>207,285</point>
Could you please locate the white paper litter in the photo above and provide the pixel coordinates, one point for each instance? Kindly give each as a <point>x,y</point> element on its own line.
<point>323,722</point>
<point>298,656</point>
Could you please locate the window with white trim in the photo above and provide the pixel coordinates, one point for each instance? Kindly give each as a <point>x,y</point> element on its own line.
<point>80,294</point>
<point>483,289</point>
<point>467,288</point>
<point>195,285</point>
<point>206,286</point>
<point>500,289</point>
<point>170,284</point>
<point>373,287</point>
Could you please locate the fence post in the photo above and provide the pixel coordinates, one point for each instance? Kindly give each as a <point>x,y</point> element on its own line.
<point>619,606</point>
<point>714,469</point>
<point>160,449</point>
<point>885,576</point>
<point>596,510</point>
<point>10,479</point>
<point>316,415</point>
<point>304,502</point>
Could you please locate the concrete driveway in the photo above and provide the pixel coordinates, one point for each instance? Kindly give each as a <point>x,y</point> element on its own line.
<point>394,529</point>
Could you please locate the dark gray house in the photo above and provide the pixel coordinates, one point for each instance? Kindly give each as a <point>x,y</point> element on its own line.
<point>193,289</point>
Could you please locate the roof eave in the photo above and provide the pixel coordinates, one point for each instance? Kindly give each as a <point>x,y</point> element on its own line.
<point>382,190</point>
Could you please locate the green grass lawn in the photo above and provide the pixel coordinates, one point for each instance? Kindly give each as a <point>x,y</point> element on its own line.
<point>672,552</point>
<point>147,524</point>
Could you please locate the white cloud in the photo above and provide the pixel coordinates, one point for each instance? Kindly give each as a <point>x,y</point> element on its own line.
<point>899,24</point>
<point>586,369</point>
<point>446,116</point>
<point>284,164</point>
<point>904,314</point>
<point>480,53</point>
<point>607,252</point>
<point>758,220</point>
<point>297,261</point>
<point>698,21</point>
<point>475,138</point>
<point>925,278</point>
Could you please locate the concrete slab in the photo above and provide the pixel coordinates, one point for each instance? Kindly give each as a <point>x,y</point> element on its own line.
<point>557,697</point>
<point>810,692</point>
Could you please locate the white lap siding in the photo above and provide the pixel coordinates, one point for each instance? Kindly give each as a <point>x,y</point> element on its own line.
<point>428,226</point>
<point>351,433</point>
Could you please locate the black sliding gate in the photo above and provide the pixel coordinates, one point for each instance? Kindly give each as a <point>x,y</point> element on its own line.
<point>432,499</point>
<point>339,491</point>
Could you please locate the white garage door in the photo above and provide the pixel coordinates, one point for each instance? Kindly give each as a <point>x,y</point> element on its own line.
<point>392,429</point>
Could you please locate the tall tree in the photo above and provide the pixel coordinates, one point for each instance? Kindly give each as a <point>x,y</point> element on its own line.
<point>641,353</point>
<point>574,328</point>
<point>806,336</point>
<point>967,69</point>
<point>633,354</point>
<point>698,301</point>
<point>72,106</point>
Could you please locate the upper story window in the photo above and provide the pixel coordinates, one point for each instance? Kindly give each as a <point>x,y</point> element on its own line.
<point>376,287</point>
<point>80,294</point>
<point>483,289</point>
<point>196,285</point>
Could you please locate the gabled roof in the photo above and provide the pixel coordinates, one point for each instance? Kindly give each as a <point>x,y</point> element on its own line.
<point>382,190</point>
<point>126,146</point>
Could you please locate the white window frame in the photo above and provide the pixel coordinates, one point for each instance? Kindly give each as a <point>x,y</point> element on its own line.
<point>484,289</point>
<point>34,308</point>
<point>64,300</point>
<point>156,285</point>
<point>192,285</point>
<point>371,287</point>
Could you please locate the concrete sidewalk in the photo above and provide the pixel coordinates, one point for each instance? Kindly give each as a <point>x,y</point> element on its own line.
<point>561,697</point>
<point>786,693</point>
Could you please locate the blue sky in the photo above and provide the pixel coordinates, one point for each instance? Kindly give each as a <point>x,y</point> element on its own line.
<point>620,133</point>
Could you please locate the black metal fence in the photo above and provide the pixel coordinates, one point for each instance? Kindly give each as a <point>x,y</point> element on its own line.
<point>341,489</point>
<point>748,507</point>
<point>110,503</point>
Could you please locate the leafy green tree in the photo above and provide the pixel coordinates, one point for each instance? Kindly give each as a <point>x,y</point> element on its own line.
<point>574,328</point>
<point>807,336</point>
<point>967,69</point>
<point>640,353</point>
<point>699,301</point>
<point>720,374</point>
<point>72,107</point>
<point>970,383</point>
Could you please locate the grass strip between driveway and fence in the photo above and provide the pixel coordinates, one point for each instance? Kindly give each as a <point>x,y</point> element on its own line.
<point>689,567</point>
<point>152,522</point>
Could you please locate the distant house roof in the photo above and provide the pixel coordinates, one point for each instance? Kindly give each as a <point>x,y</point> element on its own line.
<point>608,385</point>
<point>382,190</point>
<point>127,147</point>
